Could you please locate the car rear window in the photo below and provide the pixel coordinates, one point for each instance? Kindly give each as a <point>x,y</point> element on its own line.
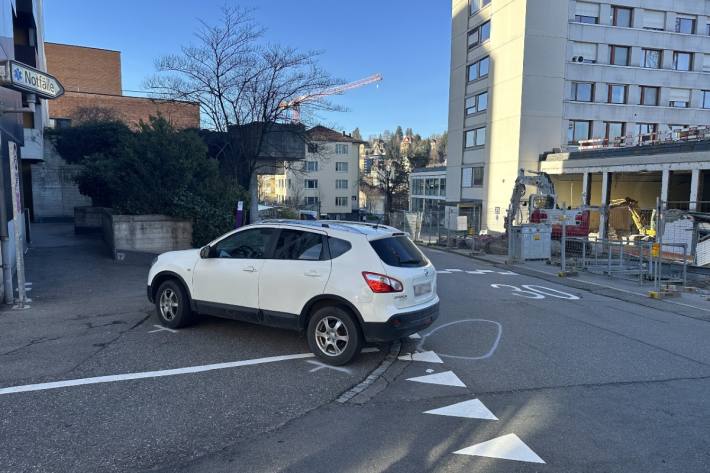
<point>398,251</point>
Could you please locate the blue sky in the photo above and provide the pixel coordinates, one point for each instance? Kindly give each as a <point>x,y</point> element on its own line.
<point>408,41</point>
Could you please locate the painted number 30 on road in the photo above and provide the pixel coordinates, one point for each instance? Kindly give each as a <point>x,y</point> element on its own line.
<point>532,291</point>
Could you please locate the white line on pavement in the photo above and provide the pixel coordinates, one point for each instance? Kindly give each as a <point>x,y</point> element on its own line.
<point>150,374</point>
<point>160,328</point>
<point>320,366</point>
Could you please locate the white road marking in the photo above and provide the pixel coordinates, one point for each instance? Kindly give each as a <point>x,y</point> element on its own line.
<point>507,447</point>
<point>415,336</point>
<point>427,356</point>
<point>160,328</point>
<point>443,272</point>
<point>454,270</point>
<point>151,374</point>
<point>445,378</point>
<point>369,350</point>
<point>494,347</point>
<point>508,273</point>
<point>320,366</point>
<point>480,271</point>
<point>430,370</point>
<point>473,409</point>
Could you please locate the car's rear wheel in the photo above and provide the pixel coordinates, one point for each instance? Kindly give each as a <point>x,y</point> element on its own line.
<point>333,335</point>
<point>172,305</point>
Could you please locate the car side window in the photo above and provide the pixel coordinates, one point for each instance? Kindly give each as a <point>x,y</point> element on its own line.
<point>338,247</point>
<point>299,245</point>
<point>247,244</point>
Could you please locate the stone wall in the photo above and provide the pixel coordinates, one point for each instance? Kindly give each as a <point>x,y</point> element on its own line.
<point>145,233</point>
<point>54,192</point>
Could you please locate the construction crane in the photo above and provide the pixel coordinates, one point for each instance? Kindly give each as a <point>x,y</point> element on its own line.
<point>645,231</point>
<point>294,106</point>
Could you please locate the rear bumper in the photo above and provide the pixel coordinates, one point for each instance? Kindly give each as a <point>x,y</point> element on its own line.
<point>401,325</point>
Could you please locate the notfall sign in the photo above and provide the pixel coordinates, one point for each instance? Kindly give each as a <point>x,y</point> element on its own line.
<point>24,78</point>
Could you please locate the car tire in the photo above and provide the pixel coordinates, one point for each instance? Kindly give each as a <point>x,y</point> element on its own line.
<point>172,305</point>
<point>334,335</point>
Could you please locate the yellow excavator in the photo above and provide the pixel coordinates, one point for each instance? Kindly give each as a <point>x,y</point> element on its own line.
<point>645,231</point>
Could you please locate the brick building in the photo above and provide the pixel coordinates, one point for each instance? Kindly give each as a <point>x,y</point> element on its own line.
<point>92,80</point>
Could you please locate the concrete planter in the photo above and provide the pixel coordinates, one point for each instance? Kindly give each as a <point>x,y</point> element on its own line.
<point>144,234</point>
<point>88,219</point>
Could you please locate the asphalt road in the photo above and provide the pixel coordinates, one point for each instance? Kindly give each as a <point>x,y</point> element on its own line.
<point>584,382</point>
<point>579,381</point>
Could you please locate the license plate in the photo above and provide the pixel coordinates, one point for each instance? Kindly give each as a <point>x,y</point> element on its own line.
<point>420,289</point>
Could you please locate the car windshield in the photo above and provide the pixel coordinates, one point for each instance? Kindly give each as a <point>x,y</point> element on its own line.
<point>399,251</point>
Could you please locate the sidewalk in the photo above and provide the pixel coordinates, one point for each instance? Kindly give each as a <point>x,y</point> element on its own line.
<point>690,304</point>
<point>81,301</point>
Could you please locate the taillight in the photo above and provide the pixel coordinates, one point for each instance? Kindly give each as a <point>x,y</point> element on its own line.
<point>380,283</point>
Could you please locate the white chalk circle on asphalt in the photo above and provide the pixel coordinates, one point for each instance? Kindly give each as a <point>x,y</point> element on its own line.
<point>488,354</point>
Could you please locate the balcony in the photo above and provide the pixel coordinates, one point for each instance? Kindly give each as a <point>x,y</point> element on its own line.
<point>34,145</point>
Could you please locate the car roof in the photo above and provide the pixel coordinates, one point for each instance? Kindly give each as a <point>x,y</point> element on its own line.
<point>371,231</point>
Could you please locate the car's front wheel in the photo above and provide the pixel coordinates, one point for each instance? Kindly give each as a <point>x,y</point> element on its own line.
<point>173,305</point>
<point>333,335</point>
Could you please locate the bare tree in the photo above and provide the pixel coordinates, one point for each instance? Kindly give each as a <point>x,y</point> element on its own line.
<point>240,82</point>
<point>389,178</point>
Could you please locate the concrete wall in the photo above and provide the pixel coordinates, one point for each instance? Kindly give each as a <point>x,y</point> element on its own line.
<point>145,233</point>
<point>55,194</point>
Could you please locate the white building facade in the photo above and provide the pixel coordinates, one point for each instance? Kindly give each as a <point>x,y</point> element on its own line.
<point>531,77</point>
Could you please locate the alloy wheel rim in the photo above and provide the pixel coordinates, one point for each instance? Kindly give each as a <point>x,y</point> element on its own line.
<point>168,304</point>
<point>332,336</point>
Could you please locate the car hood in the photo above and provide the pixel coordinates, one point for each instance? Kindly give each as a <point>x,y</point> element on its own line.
<point>187,257</point>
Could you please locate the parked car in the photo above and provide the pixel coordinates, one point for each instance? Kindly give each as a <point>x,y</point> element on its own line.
<point>344,283</point>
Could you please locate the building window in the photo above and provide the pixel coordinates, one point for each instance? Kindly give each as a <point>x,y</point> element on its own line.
<point>619,55</point>
<point>707,29</point>
<point>582,91</point>
<point>341,166</point>
<point>617,93</point>
<point>341,148</point>
<point>431,186</point>
<point>474,138</point>
<point>654,20</point>
<point>678,104</point>
<point>615,130</point>
<point>682,61</point>
<point>652,58</point>
<point>621,16</point>
<point>472,177</point>
<point>706,98</point>
<point>590,20</point>
<point>442,187</point>
<point>341,183</point>
<point>61,123</point>
<point>649,95</point>
<point>310,183</point>
<point>311,166</point>
<point>311,200</point>
<point>478,69</point>
<point>479,35</point>
<point>578,130</point>
<point>646,131</point>
<point>478,4</point>
<point>477,103</point>
<point>418,186</point>
<point>685,25</point>
<point>312,147</point>
<point>341,201</point>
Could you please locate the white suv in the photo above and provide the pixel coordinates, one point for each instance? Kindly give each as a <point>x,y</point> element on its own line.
<point>344,283</point>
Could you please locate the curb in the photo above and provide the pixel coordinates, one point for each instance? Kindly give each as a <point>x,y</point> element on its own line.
<point>367,388</point>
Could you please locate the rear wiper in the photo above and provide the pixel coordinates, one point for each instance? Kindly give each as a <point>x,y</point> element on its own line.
<point>409,261</point>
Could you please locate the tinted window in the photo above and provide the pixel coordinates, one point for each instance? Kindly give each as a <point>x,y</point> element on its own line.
<point>298,245</point>
<point>338,247</point>
<point>398,251</point>
<point>247,244</point>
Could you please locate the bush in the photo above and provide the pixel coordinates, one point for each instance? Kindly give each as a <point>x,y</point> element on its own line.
<point>155,170</point>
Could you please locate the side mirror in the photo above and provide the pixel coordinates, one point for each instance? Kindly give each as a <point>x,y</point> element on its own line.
<point>205,252</point>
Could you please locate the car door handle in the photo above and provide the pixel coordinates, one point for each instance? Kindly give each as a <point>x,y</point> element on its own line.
<point>312,273</point>
<point>249,269</point>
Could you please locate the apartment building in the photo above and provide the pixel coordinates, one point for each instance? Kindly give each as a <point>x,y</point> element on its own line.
<point>326,182</point>
<point>570,79</point>
<point>427,189</point>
